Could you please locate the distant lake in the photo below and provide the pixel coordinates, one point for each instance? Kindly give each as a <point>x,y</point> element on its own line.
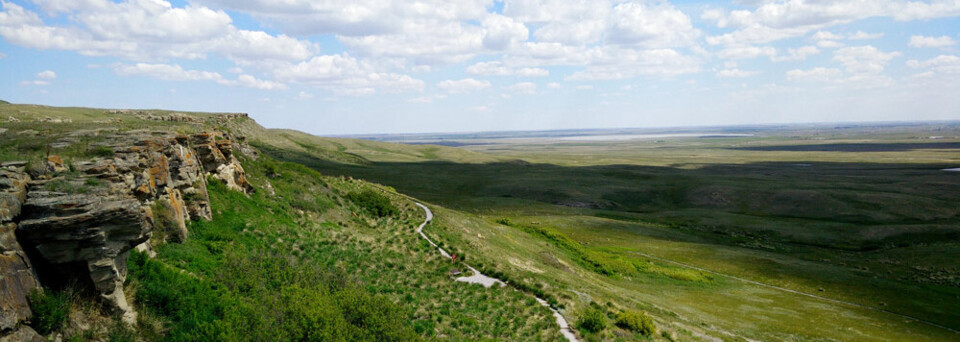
<point>615,137</point>
<point>956,169</point>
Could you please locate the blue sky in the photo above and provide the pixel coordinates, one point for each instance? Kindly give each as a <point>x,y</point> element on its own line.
<point>350,67</point>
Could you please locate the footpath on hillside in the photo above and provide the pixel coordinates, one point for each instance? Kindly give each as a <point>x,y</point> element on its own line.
<point>487,281</point>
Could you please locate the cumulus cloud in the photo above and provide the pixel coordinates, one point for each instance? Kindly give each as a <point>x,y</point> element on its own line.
<point>815,74</point>
<point>864,59</point>
<point>144,31</point>
<point>47,75</point>
<point>736,73</point>
<point>775,20</point>
<point>797,54</point>
<point>497,68</point>
<point>931,42</point>
<point>746,52</point>
<point>943,64</point>
<point>463,86</point>
<point>43,79</point>
<point>34,83</point>
<point>522,88</point>
<point>343,74</point>
<point>165,72</point>
<point>177,73</point>
<point>655,25</point>
<point>615,64</point>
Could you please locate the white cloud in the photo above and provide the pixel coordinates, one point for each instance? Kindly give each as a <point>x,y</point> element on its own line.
<point>829,44</point>
<point>797,54</point>
<point>43,79</point>
<point>584,87</point>
<point>34,83</point>
<point>353,18</point>
<point>501,32</point>
<point>612,64</point>
<point>177,73</point>
<point>463,86</point>
<point>422,99</point>
<point>304,95</point>
<point>144,30</point>
<point>931,42</point>
<point>343,74</point>
<point>554,85</point>
<point>815,74</point>
<point>165,72</point>
<point>863,59</point>
<point>860,35</point>
<point>252,82</point>
<point>746,52</point>
<point>774,20</point>
<point>47,75</point>
<point>2,55</point>
<point>737,73</point>
<point>653,25</point>
<point>524,88</point>
<point>497,68</point>
<point>943,64</point>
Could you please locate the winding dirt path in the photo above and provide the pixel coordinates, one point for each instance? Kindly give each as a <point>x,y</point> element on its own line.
<point>487,281</point>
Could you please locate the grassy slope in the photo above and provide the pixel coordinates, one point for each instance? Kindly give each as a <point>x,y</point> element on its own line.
<point>834,256</point>
<point>305,263</point>
<point>720,307</point>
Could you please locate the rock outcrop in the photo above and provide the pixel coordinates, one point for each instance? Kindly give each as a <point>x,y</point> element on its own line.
<point>78,227</point>
<point>17,278</point>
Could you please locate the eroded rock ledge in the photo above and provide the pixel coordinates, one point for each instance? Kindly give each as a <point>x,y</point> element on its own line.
<point>75,224</point>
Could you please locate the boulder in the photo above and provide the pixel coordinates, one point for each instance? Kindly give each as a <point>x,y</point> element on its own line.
<point>13,191</point>
<point>233,175</point>
<point>55,164</point>
<point>23,334</point>
<point>86,236</point>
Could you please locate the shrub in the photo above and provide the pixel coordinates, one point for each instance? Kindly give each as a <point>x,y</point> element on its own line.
<point>637,322</point>
<point>101,151</point>
<point>592,320</point>
<point>374,203</point>
<point>50,310</point>
<point>164,222</point>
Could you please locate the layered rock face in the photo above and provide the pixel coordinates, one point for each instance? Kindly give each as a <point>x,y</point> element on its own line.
<point>78,226</point>
<point>17,278</point>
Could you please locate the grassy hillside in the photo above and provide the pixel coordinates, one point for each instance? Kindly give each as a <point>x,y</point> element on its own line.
<point>303,258</point>
<point>712,240</point>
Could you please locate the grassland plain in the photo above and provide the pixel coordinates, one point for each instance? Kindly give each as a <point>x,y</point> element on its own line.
<point>878,229</point>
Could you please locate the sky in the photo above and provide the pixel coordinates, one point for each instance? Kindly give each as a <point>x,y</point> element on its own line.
<point>335,67</point>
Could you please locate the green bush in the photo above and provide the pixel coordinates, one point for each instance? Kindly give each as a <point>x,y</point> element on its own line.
<point>374,203</point>
<point>637,322</point>
<point>50,310</point>
<point>592,320</point>
<point>101,151</point>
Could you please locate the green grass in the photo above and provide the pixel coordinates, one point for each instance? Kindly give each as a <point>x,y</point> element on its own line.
<point>262,268</point>
<point>638,216</point>
<point>696,233</point>
<point>50,309</point>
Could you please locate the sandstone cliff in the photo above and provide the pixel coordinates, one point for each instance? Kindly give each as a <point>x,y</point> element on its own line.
<point>75,223</point>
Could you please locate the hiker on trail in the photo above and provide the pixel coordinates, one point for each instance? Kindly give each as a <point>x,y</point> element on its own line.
<point>454,258</point>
